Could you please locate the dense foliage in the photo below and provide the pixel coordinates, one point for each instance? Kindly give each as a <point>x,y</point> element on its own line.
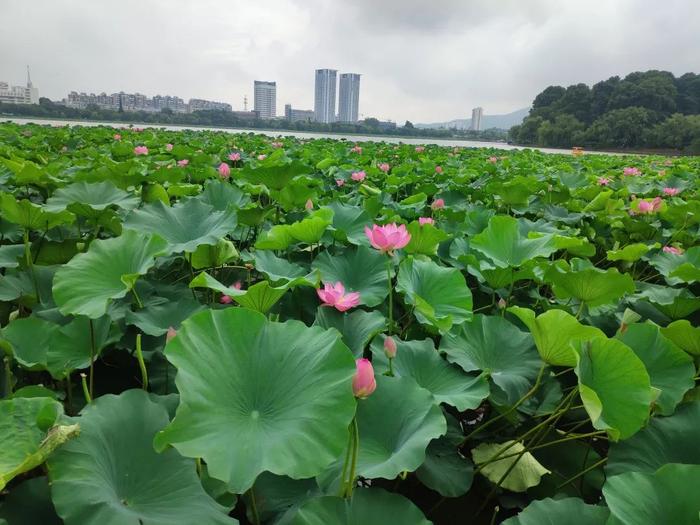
<point>651,109</point>
<point>200,327</point>
<point>227,119</point>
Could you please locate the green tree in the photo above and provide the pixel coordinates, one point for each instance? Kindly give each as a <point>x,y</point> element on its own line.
<point>620,128</point>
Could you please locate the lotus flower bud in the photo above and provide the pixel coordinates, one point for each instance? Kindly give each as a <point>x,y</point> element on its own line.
<point>363,382</point>
<point>502,303</point>
<point>390,347</point>
<point>170,335</point>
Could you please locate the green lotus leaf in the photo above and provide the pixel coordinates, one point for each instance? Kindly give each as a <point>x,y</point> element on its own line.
<point>591,285</point>
<point>631,252</point>
<point>211,256</point>
<point>276,268</point>
<point>273,173</point>
<point>357,327</point>
<point>107,271</point>
<point>260,297</point>
<point>553,332</point>
<point>275,495</point>
<point>42,345</point>
<point>88,199</point>
<point>110,474</point>
<point>559,511</point>
<point>424,239</point>
<point>157,318</point>
<point>521,472</point>
<point>683,268</point>
<point>445,470</point>
<point>578,246</point>
<point>396,424</point>
<point>367,507</point>
<point>496,347</point>
<point>280,391</point>
<point>676,303</point>
<point>276,238</point>
<point>503,243</point>
<point>360,269</point>
<point>29,503</point>
<point>221,195</point>
<point>31,216</point>
<point>10,255</point>
<point>670,369</point>
<point>311,229</point>
<point>614,386</point>
<point>349,222</point>
<point>421,361</point>
<point>29,432</point>
<point>184,226</point>
<point>671,439</point>
<point>670,495</point>
<point>684,335</point>
<point>440,296</point>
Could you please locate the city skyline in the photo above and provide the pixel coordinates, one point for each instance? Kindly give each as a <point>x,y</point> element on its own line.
<point>349,97</point>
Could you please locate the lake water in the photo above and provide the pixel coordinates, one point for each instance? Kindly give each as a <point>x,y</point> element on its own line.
<point>298,134</point>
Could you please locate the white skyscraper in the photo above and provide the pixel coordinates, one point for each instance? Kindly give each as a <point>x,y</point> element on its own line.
<point>324,95</point>
<point>477,114</point>
<point>265,99</point>
<point>349,99</point>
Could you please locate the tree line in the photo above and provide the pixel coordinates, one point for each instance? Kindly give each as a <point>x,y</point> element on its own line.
<point>650,109</point>
<point>226,119</point>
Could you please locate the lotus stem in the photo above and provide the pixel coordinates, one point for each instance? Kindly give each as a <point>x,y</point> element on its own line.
<point>583,472</point>
<point>353,461</point>
<point>142,364</point>
<point>86,392</point>
<point>30,263</point>
<point>92,358</point>
<point>8,376</point>
<point>254,506</point>
<point>391,296</point>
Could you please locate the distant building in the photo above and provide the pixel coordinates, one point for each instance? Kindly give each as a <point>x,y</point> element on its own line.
<point>198,104</point>
<point>265,99</point>
<point>298,115</point>
<point>245,115</point>
<point>19,94</point>
<point>477,114</point>
<point>349,97</point>
<point>324,95</point>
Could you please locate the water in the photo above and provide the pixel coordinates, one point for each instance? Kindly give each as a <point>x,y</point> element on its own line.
<point>300,134</point>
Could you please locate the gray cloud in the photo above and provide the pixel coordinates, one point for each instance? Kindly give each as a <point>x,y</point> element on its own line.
<point>422,61</point>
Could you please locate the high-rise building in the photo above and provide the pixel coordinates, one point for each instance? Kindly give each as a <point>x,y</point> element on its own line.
<point>324,95</point>
<point>349,98</point>
<point>19,94</point>
<point>265,99</point>
<point>477,114</point>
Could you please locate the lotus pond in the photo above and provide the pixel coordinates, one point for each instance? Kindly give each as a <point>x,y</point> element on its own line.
<point>207,328</point>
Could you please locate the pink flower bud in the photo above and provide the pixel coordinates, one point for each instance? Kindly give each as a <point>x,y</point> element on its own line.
<point>363,382</point>
<point>262,156</point>
<point>117,136</point>
<point>425,220</point>
<point>502,303</point>
<point>182,163</point>
<point>170,335</point>
<point>225,299</point>
<point>309,205</point>
<point>224,170</point>
<point>438,169</point>
<point>390,347</point>
<point>438,204</point>
<point>339,182</point>
<point>168,147</point>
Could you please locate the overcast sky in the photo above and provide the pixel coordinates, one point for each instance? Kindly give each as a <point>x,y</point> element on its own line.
<point>425,61</point>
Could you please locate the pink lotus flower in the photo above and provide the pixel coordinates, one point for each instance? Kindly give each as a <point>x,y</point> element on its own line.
<point>420,149</point>
<point>334,295</point>
<point>277,144</point>
<point>438,204</point>
<point>671,191</point>
<point>237,285</point>
<point>140,150</point>
<point>356,149</point>
<point>425,220</point>
<point>224,170</point>
<point>339,182</point>
<point>138,130</point>
<point>117,136</point>
<point>170,335</point>
<point>390,347</point>
<point>493,160</point>
<point>358,176</point>
<point>182,163</point>
<point>363,382</point>
<point>168,147</point>
<point>388,238</point>
<point>309,205</point>
<point>631,172</point>
<point>673,250</point>
<point>235,156</point>
<point>438,169</point>
<point>652,206</point>
<point>384,167</point>
<point>262,156</point>
<point>225,299</point>
<point>604,181</point>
